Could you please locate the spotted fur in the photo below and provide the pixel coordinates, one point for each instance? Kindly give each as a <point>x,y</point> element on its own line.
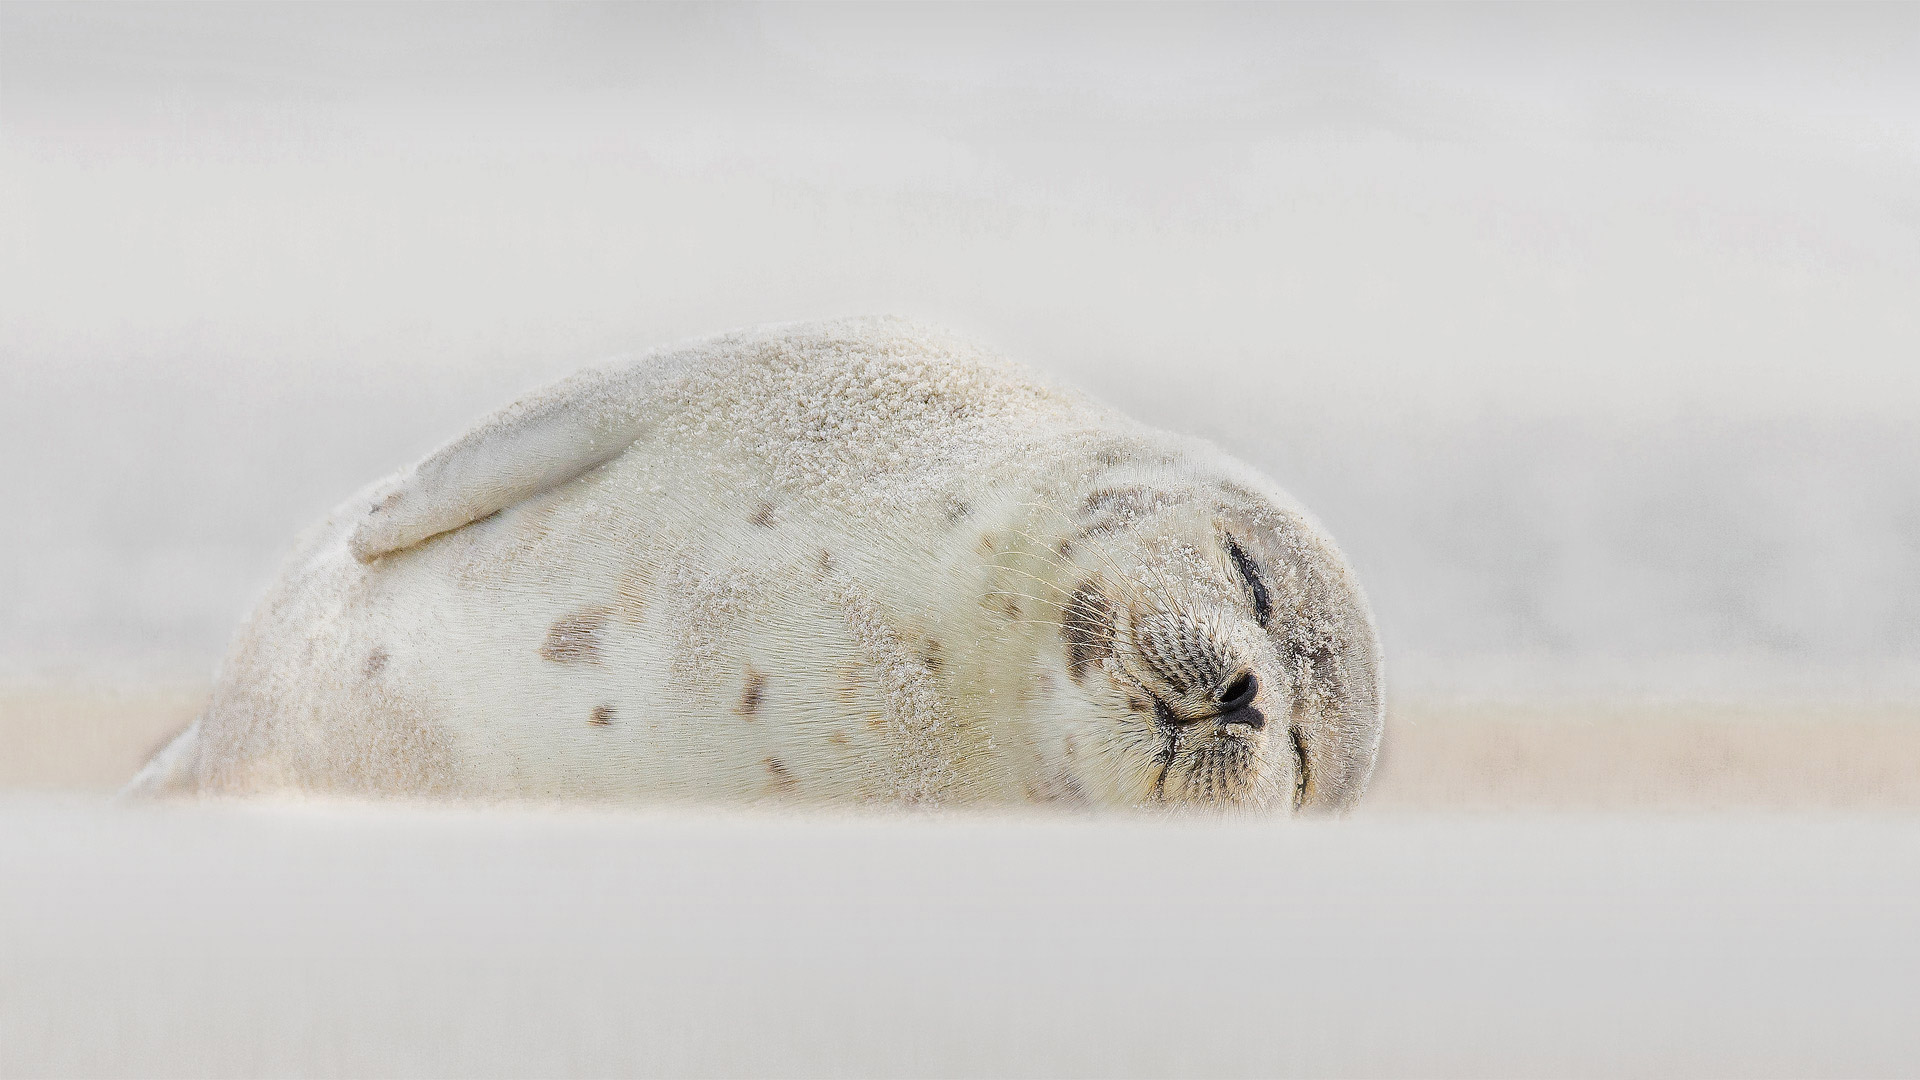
<point>751,694</point>
<point>959,584</point>
<point>575,639</point>
<point>1087,628</point>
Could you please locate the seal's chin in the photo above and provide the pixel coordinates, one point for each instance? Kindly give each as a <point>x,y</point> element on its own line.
<point>1219,771</point>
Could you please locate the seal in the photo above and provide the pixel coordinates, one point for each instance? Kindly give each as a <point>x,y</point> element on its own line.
<point>858,560</point>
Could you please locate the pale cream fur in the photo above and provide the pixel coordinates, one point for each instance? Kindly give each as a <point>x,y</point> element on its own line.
<point>824,562</point>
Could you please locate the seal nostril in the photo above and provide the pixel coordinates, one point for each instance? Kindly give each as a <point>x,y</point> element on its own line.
<point>1238,693</point>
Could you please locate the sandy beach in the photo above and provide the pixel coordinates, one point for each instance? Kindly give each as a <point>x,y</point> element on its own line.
<point>1526,891</point>
<point>309,940</point>
<point>1438,755</point>
<point>1587,332</point>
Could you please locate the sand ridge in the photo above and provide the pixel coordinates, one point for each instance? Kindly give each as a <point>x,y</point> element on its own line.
<point>1437,755</point>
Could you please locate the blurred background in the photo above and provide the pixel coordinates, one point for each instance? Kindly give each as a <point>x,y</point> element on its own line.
<point>1590,332</point>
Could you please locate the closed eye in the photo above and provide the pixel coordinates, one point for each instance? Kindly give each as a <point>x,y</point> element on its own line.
<point>1249,572</point>
<point>1299,766</point>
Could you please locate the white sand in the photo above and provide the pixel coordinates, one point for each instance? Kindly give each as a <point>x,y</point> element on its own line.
<point>326,940</point>
<point>330,941</point>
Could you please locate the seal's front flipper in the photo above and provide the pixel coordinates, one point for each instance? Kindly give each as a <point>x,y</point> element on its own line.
<point>533,445</point>
<point>172,771</point>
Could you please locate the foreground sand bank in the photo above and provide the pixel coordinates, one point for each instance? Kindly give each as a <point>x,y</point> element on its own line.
<point>1438,755</point>
<point>338,940</point>
<point>1573,932</point>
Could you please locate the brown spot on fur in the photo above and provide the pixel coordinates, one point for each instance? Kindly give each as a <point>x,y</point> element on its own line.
<point>535,523</point>
<point>1063,547</point>
<point>1004,605</point>
<point>1061,787</point>
<point>576,638</point>
<point>837,738</point>
<point>956,510</point>
<point>848,688</point>
<point>1102,500</point>
<point>783,781</point>
<point>934,657</point>
<point>988,544</point>
<point>825,562</point>
<point>763,517</point>
<point>1086,625</point>
<point>377,662</point>
<point>1107,509</point>
<point>1138,704</point>
<point>751,694</point>
<point>630,594</point>
<point>602,715</point>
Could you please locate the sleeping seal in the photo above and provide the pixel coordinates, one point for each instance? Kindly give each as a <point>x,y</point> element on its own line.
<point>852,561</point>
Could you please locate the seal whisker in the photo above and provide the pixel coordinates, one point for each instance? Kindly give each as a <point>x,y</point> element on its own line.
<point>1108,565</point>
<point>1074,606</point>
<point>1099,547</point>
<point>1063,592</point>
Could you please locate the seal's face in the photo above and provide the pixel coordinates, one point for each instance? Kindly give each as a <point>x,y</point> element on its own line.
<point>1221,656</point>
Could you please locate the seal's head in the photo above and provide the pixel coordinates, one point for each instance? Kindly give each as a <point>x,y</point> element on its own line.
<point>1219,650</point>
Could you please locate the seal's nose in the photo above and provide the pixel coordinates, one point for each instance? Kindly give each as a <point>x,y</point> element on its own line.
<point>1238,693</point>
<point>1236,701</point>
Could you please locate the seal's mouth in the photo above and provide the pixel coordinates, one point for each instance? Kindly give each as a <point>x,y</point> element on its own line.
<point>1220,772</point>
<point>1208,762</point>
<point>1169,741</point>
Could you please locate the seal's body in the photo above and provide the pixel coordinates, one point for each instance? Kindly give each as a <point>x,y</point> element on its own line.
<point>843,561</point>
